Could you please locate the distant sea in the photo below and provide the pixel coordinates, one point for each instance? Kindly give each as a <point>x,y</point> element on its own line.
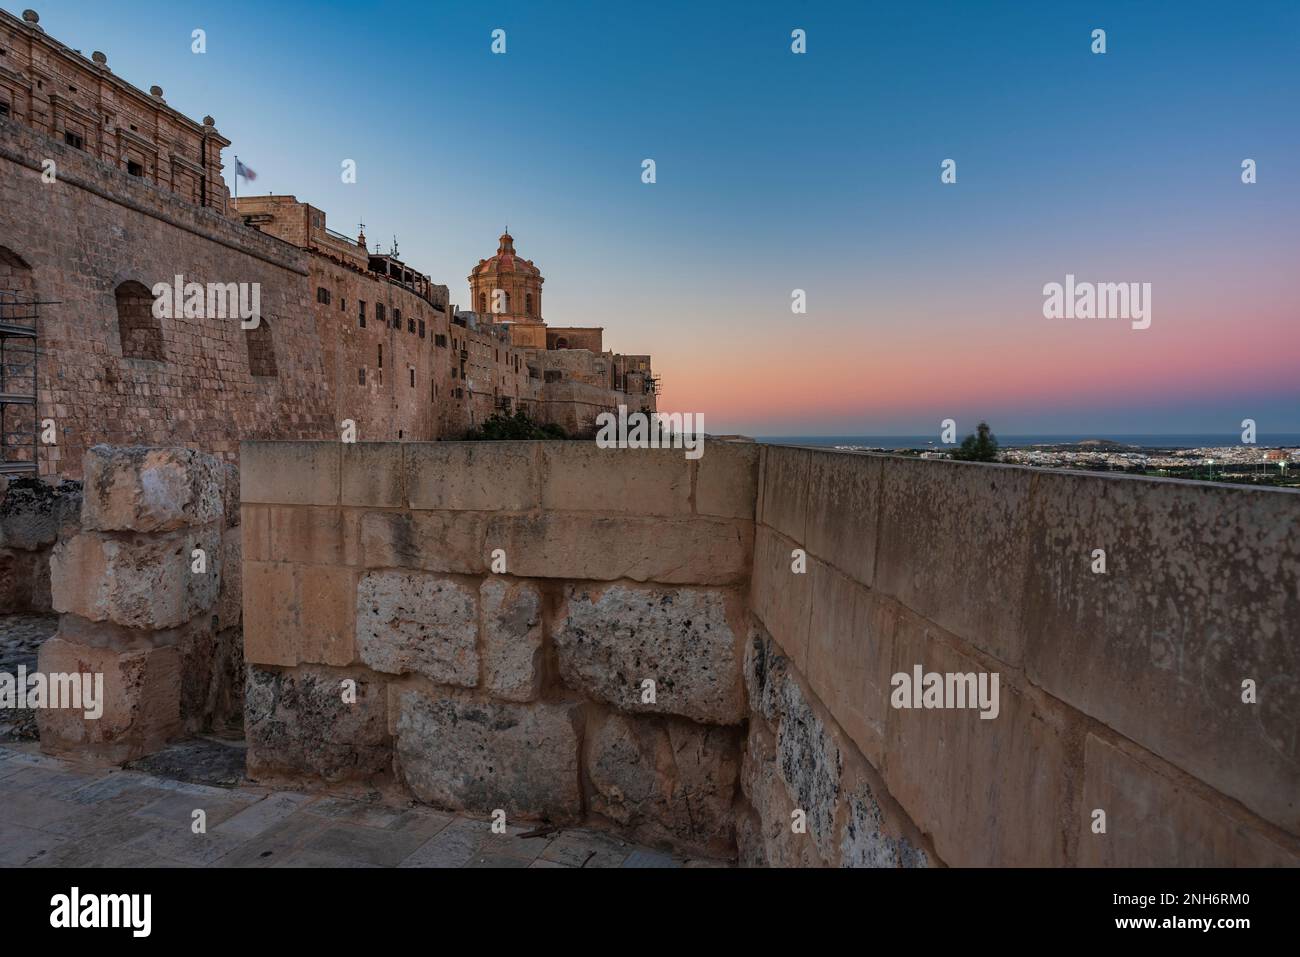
<point>1263,440</point>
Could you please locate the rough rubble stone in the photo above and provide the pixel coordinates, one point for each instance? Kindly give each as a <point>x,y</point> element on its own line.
<point>512,639</point>
<point>667,780</point>
<point>810,764</point>
<point>610,640</point>
<point>463,754</point>
<point>297,722</point>
<point>414,623</point>
<point>864,841</point>
<point>34,514</point>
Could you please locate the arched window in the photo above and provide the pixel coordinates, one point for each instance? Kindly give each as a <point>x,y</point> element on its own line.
<point>561,343</point>
<point>261,349</point>
<point>137,329</point>
<point>528,303</point>
<point>482,302</point>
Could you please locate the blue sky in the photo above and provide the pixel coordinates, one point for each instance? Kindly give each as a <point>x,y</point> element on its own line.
<point>820,172</point>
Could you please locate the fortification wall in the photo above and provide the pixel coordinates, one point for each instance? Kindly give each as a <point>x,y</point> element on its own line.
<point>473,625</point>
<point>94,228</point>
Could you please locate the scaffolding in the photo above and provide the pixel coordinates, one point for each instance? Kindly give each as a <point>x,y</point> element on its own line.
<point>19,428</point>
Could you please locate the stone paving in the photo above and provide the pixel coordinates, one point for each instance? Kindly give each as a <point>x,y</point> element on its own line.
<point>21,637</point>
<point>57,813</point>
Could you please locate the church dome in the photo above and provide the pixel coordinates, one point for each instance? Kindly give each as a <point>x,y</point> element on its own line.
<point>506,261</point>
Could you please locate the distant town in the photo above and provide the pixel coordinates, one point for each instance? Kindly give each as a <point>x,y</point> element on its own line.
<point>1255,465</point>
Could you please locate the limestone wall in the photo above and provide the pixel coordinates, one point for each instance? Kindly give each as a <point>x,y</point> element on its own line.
<point>147,588</point>
<point>388,646</point>
<point>1120,691</point>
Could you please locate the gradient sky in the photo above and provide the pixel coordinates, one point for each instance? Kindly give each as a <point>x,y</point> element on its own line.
<point>819,172</point>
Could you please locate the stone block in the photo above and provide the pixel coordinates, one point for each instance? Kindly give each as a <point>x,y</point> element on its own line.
<point>230,594</point>
<point>581,476</point>
<point>299,614</point>
<point>462,754</point>
<point>1155,818</point>
<point>785,482</point>
<point>306,534</point>
<point>289,473</point>
<point>229,473</point>
<point>726,481</point>
<point>842,511</point>
<point>952,547</point>
<point>664,780</point>
<point>850,656</point>
<point>150,490</point>
<point>780,596</point>
<point>141,701</point>
<point>609,641</point>
<point>450,542</point>
<point>373,474</point>
<point>486,476</point>
<point>297,722</point>
<point>810,762</point>
<point>769,840</point>
<point>1201,592</point>
<point>604,548</point>
<point>512,639</point>
<point>989,792</point>
<point>414,623</point>
<point>255,522</point>
<point>143,581</point>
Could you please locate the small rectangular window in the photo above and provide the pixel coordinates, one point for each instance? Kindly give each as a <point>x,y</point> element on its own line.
<point>4,108</point>
<point>440,340</point>
<point>362,314</point>
<point>343,305</point>
<point>74,140</point>
<point>381,355</point>
<point>453,372</point>
<point>361,376</point>
<point>397,318</point>
<point>410,325</point>
<point>134,169</point>
<point>412,378</point>
<point>322,295</point>
<point>379,314</point>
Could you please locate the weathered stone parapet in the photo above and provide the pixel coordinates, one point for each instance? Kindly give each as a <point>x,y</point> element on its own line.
<point>1158,681</point>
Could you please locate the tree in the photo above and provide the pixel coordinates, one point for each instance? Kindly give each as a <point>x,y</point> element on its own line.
<point>982,447</point>
<point>517,426</point>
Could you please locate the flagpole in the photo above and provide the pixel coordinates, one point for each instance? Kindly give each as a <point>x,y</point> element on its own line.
<point>236,176</point>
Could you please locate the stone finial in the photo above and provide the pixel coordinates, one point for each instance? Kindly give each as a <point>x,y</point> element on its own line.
<point>31,16</point>
<point>100,58</point>
<point>209,121</point>
<point>156,90</point>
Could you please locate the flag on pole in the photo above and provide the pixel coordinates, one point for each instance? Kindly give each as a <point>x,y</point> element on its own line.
<point>244,171</point>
